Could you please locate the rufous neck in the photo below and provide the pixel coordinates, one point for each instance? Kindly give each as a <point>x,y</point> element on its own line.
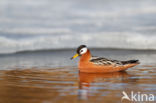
<point>86,56</point>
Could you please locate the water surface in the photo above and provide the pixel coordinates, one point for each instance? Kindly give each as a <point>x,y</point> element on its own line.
<point>64,85</point>
<point>51,77</point>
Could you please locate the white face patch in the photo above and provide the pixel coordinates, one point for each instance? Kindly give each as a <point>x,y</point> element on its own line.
<point>83,51</point>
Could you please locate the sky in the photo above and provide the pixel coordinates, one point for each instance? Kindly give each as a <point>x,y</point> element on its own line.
<point>58,24</point>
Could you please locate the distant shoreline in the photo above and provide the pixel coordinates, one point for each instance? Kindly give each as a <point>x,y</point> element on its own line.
<point>68,49</point>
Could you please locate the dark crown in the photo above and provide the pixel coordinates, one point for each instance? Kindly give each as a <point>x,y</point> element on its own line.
<point>80,47</point>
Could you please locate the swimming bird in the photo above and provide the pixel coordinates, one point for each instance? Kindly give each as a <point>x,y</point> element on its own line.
<point>94,64</point>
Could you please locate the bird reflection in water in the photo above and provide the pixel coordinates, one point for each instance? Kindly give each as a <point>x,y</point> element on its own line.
<point>88,82</point>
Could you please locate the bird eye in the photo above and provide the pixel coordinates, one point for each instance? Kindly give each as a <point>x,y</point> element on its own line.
<point>83,50</point>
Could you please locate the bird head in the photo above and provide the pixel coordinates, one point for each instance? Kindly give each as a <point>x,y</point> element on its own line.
<point>82,49</point>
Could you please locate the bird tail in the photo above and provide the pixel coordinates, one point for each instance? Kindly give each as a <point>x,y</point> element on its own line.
<point>130,62</point>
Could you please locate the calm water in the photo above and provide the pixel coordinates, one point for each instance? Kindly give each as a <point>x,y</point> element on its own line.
<point>51,77</point>
<point>64,85</point>
<point>61,58</point>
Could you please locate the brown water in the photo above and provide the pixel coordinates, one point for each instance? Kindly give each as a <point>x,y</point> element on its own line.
<point>67,85</point>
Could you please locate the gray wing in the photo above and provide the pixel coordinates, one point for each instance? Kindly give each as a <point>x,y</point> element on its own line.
<point>105,61</point>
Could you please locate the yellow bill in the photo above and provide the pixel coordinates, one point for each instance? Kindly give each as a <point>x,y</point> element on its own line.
<point>76,55</point>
